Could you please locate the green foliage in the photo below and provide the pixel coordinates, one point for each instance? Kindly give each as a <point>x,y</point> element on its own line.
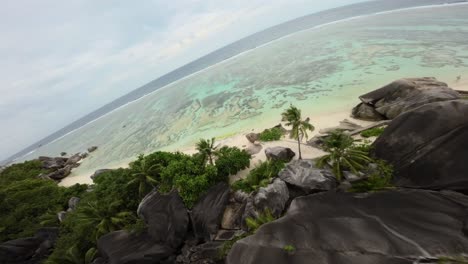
<point>299,127</point>
<point>21,171</point>
<point>373,132</point>
<point>144,175</point>
<point>263,218</point>
<point>290,249</point>
<point>260,176</point>
<point>453,260</point>
<point>227,245</point>
<point>272,134</point>
<point>192,187</point>
<point>379,179</point>
<point>230,161</point>
<point>207,149</point>
<point>343,155</point>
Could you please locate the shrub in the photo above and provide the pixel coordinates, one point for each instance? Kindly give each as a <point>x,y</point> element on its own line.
<point>380,179</point>
<point>263,218</point>
<point>260,176</point>
<point>21,171</point>
<point>230,161</point>
<point>373,132</point>
<point>272,134</point>
<point>290,249</point>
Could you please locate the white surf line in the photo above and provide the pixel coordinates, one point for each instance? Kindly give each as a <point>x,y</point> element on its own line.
<point>251,50</point>
<point>397,234</point>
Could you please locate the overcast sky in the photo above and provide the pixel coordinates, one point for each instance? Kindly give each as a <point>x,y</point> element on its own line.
<point>63,59</point>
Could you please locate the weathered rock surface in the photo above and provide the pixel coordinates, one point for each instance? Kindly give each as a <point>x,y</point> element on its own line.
<point>73,160</point>
<point>344,125</point>
<point>207,253</point>
<point>121,247</point>
<point>60,173</point>
<point>279,153</point>
<point>252,137</point>
<point>304,175</point>
<point>366,112</point>
<point>91,149</point>
<point>30,250</point>
<point>274,197</point>
<point>403,95</point>
<point>254,149</point>
<point>428,146</point>
<point>384,227</point>
<point>52,163</point>
<point>73,203</point>
<point>207,213</point>
<point>166,217</point>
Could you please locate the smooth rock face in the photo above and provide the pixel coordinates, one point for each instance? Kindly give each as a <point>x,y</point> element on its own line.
<point>207,213</point>
<point>279,153</point>
<point>252,137</point>
<point>406,94</point>
<point>428,146</point>
<point>254,149</point>
<point>384,227</point>
<point>121,247</point>
<point>166,217</point>
<point>304,175</point>
<point>29,250</point>
<point>274,197</point>
<point>366,112</point>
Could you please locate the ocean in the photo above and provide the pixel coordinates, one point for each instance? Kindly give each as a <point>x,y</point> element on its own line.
<point>320,63</point>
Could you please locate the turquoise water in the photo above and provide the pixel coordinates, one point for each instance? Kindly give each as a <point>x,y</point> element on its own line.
<point>319,70</point>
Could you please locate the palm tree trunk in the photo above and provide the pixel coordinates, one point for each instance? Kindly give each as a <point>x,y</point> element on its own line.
<point>299,147</point>
<point>211,160</point>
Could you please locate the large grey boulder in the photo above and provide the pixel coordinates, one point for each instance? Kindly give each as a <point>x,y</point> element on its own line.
<point>428,146</point>
<point>207,213</point>
<point>60,173</point>
<point>279,153</point>
<point>404,95</point>
<point>29,250</point>
<point>166,217</point>
<point>305,176</point>
<point>366,112</point>
<point>122,247</point>
<point>386,227</point>
<point>53,163</point>
<point>252,137</point>
<point>73,203</point>
<point>74,160</point>
<point>273,197</point>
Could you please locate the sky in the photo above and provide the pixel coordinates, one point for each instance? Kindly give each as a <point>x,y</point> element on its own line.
<point>60,60</point>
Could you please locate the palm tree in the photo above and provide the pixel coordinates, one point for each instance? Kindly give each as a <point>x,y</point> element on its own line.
<point>73,256</point>
<point>144,175</point>
<point>299,127</point>
<point>207,149</point>
<point>103,219</point>
<point>343,155</point>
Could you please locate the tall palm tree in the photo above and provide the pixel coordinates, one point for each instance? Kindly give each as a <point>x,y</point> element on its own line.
<point>342,155</point>
<point>299,127</point>
<point>207,149</point>
<point>144,175</point>
<point>103,219</point>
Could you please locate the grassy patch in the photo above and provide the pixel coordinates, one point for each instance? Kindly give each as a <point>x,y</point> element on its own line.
<point>260,176</point>
<point>373,132</point>
<point>272,134</point>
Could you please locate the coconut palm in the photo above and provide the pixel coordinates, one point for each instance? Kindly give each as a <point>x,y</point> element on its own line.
<point>343,155</point>
<point>207,149</point>
<point>102,219</point>
<point>299,127</point>
<point>144,175</point>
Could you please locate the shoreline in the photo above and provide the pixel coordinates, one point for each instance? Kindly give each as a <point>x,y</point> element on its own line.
<point>318,120</point>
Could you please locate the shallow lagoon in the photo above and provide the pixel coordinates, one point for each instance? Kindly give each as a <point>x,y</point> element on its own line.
<point>320,70</point>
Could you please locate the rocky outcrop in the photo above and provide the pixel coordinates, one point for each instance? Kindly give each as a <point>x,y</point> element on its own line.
<point>52,163</point>
<point>29,250</point>
<point>166,217</point>
<point>385,227</point>
<point>208,253</point>
<point>252,137</point>
<point>273,197</point>
<point>122,247</point>
<point>60,173</point>
<point>91,149</point>
<point>74,160</point>
<point>304,176</point>
<point>279,153</point>
<point>207,213</point>
<point>428,146</point>
<point>73,203</point>
<point>401,96</point>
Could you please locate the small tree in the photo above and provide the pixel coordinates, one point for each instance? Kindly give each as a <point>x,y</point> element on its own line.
<point>299,127</point>
<point>207,149</point>
<point>343,155</point>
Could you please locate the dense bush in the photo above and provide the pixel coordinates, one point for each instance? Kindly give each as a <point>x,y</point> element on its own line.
<point>260,176</point>
<point>373,132</point>
<point>230,161</point>
<point>272,134</point>
<point>379,179</point>
<point>21,171</point>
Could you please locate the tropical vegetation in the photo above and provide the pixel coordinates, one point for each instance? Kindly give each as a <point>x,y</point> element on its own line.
<point>272,134</point>
<point>372,132</point>
<point>293,117</point>
<point>260,176</point>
